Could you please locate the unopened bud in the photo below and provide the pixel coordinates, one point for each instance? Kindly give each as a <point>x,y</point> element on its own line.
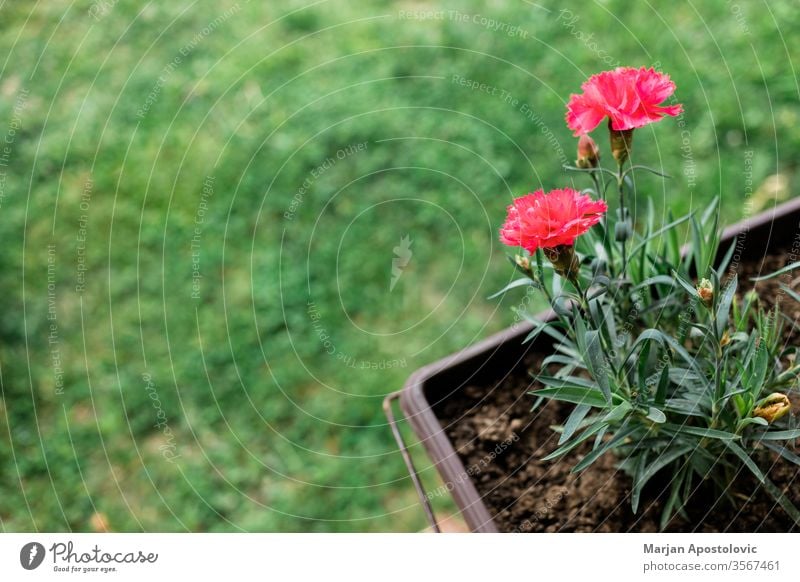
<point>623,231</point>
<point>621,143</point>
<point>564,260</point>
<point>522,262</point>
<point>726,339</point>
<point>705,290</point>
<point>588,153</point>
<point>773,407</point>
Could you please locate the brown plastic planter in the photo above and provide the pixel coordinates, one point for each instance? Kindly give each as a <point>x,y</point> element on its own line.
<point>490,360</point>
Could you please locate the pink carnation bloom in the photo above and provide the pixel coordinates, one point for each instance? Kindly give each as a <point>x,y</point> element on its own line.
<point>629,97</point>
<point>549,220</point>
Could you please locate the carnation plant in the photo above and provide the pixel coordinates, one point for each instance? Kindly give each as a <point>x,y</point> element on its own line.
<point>666,366</point>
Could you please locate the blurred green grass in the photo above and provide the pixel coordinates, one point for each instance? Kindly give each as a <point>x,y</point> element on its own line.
<point>269,430</point>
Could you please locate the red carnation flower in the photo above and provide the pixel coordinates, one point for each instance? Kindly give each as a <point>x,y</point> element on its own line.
<point>629,97</point>
<point>550,220</point>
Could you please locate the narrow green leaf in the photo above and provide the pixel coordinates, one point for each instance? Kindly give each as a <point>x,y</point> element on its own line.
<point>724,308</point>
<point>661,391</point>
<point>618,412</point>
<point>690,289</point>
<point>574,420</point>
<point>701,432</point>
<point>697,248</point>
<point>777,273</point>
<point>642,368</point>
<point>524,281</point>
<point>790,292</point>
<point>670,228</point>
<point>588,433</point>
<point>596,363</point>
<point>673,503</point>
<point>782,500</point>
<point>659,463</point>
<point>780,435</point>
<point>558,381</point>
<point>745,422</point>
<point>574,394</point>
<point>783,452</point>
<point>656,280</point>
<point>598,452</point>
<point>641,463</point>
<point>723,264</point>
<point>656,415</point>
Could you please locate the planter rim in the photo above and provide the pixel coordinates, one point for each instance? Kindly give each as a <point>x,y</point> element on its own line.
<point>419,413</point>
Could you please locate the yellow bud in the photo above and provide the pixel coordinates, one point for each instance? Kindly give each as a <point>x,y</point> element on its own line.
<point>773,407</point>
<point>522,262</point>
<point>705,290</point>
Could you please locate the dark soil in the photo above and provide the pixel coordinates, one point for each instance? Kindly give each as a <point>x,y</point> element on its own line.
<point>501,443</point>
<point>770,291</point>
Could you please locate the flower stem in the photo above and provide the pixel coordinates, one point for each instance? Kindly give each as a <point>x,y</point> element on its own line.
<point>623,216</point>
<point>607,243</point>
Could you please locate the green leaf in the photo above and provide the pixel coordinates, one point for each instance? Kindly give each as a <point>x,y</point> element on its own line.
<point>574,394</point>
<point>639,463</point>
<point>653,334</point>
<point>674,503</point>
<point>558,381</point>
<point>524,281</point>
<point>642,368</point>
<point>701,432</point>
<point>777,273</point>
<point>648,169</point>
<point>782,500</point>
<point>790,292</point>
<point>780,435</point>
<point>724,308</point>
<point>783,452</point>
<point>612,443</point>
<point>573,422</point>
<point>745,422</point>
<point>558,359</point>
<point>673,244</point>
<point>656,280</point>
<point>596,363</point>
<point>660,462</point>
<point>656,415</point>
<point>618,412</point>
<point>700,265</point>
<point>666,228</point>
<point>548,327</point>
<point>588,433</point>
<point>723,264</point>
<point>690,289</point>
<point>661,391</point>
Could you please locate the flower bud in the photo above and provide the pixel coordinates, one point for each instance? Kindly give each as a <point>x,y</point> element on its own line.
<point>773,407</point>
<point>564,260</point>
<point>621,143</point>
<point>623,231</point>
<point>588,153</point>
<point>523,263</point>
<point>726,339</point>
<point>705,290</point>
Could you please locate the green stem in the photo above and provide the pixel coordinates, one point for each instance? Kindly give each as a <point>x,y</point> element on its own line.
<point>623,216</point>
<point>600,188</point>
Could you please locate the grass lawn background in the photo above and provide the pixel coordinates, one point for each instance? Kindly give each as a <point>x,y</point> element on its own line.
<point>200,202</point>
